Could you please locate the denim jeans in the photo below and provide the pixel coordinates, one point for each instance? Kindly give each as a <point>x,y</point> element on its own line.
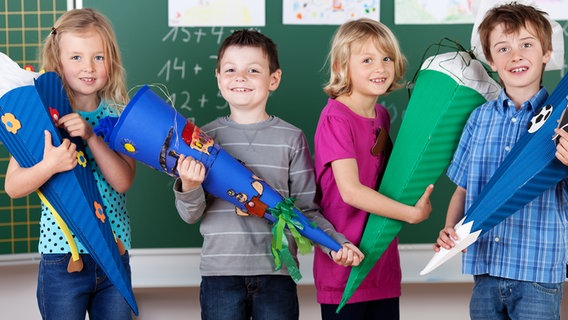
<point>498,298</point>
<point>69,296</point>
<point>261,297</point>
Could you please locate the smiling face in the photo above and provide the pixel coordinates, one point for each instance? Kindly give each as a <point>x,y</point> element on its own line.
<point>370,69</point>
<point>83,66</point>
<point>244,78</point>
<point>519,60</point>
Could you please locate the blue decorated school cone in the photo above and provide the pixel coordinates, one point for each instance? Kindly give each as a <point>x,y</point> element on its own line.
<point>72,196</point>
<point>154,133</point>
<point>530,169</point>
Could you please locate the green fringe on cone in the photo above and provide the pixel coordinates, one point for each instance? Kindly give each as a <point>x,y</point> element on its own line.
<point>286,218</point>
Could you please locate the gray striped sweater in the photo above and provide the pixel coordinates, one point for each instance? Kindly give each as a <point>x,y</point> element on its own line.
<point>278,153</point>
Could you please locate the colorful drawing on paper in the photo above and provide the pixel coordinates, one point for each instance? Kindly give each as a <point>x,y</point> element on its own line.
<point>433,12</point>
<point>218,13</point>
<point>328,11</point>
<point>460,11</point>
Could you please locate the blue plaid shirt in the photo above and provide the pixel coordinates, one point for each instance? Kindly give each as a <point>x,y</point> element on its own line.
<point>531,244</point>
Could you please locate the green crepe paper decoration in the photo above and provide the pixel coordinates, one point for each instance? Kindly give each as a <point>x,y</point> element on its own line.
<point>448,87</point>
<point>285,216</point>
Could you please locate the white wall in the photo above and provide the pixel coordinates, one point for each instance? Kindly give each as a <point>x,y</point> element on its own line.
<point>165,287</point>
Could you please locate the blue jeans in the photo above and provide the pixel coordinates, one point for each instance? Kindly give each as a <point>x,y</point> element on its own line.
<point>498,298</point>
<point>270,297</point>
<point>64,295</point>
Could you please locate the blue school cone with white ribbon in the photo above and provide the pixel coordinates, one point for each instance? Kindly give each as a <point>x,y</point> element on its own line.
<point>530,169</point>
<point>154,133</point>
<point>72,196</point>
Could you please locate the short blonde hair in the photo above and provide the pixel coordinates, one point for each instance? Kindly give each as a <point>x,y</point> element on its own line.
<point>357,31</point>
<point>79,21</point>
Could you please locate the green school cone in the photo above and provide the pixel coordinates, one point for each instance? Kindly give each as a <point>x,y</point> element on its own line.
<point>448,87</point>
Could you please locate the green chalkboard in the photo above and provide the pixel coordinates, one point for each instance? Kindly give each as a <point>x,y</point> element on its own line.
<point>181,62</point>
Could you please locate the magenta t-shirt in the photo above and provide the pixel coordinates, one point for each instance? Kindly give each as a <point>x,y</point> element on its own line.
<point>342,134</point>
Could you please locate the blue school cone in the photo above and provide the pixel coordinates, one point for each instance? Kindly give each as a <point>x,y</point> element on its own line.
<point>530,169</point>
<point>154,133</point>
<point>25,113</point>
<point>448,87</point>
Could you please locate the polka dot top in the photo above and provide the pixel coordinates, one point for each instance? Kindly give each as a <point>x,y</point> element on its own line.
<point>52,239</point>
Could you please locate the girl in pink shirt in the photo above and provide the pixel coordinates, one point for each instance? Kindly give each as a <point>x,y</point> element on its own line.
<point>366,63</point>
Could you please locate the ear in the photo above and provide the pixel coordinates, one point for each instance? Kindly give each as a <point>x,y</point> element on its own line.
<point>275,78</point>
<point>547,56</point>
<point>491,64</point>
<point>217,75</point>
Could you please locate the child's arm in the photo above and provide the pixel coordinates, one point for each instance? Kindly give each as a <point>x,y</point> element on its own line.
<point>119,170</point>
<point>364,198</point>
<point>189,195</point>
<point>562,146</point>
<point>455,214</point>
<point>20,182</point>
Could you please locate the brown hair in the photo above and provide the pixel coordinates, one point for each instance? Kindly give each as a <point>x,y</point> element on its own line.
<point>251,38</point>
<point>79,21</point>
<point>514,16</point>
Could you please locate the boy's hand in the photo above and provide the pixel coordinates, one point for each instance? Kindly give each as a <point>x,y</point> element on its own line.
<point>348,255</point>
<point>562,146</point>
<point>59,159</point>
<point>76,126</point>
<point>446,239</point>
<point>191,173</point>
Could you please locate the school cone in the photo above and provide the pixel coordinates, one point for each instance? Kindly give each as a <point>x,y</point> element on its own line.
<point>154,133</point>
<point>530,169</point>
<point>448,87</point>
<point>26,112</point>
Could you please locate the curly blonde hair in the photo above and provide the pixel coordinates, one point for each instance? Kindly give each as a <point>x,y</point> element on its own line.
<point>79,21</point>
<point>358,31</point>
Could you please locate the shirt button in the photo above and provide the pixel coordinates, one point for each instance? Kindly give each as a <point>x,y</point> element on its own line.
<point>514,120</point>
<point>507,148</point>
<point>496,239</point>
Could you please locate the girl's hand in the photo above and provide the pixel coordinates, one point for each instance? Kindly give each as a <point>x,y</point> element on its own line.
<point>423,206</point>
<point>59,159</point>
<point>191,172</point>
<point>562,146</point>
<point>76,126</point>
<point>348,255</point>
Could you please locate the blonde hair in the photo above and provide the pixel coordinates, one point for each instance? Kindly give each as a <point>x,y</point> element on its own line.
<point>357,31</point>
<point>80,21</point>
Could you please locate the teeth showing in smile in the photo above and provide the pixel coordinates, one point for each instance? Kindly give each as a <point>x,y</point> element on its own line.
<point>378,80</point>
<point>240,89</point>
<point>519,69</point>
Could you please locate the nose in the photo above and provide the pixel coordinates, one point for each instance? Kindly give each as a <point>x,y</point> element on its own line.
<point>516,54</point>
<point>240,76</point>
<point>89,65</point>
<point>380,65</point>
